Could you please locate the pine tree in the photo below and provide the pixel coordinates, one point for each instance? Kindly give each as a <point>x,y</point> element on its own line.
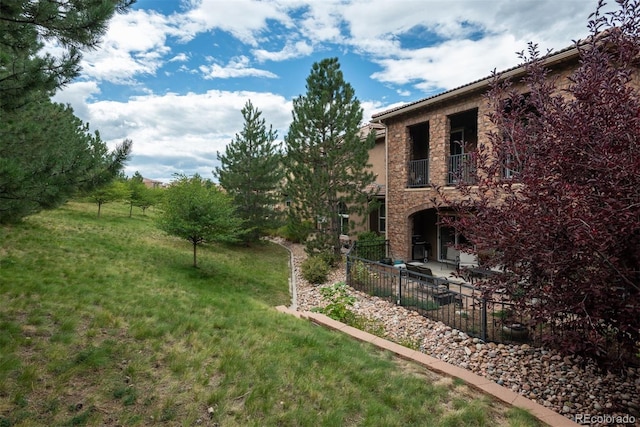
<point>251,172</point>
<point>74,25</point>
<point>46,153</point>
<point>326,157</point>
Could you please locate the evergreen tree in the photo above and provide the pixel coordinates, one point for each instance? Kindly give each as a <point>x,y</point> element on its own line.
<point>47,155</point>
<point>326,157</point>
<point>251,172</point>
<point>24,70</point>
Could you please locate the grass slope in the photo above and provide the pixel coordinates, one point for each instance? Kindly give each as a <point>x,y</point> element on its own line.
<point>103,321</point>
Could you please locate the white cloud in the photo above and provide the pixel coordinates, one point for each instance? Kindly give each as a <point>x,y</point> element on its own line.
<point>291,50</point>
<point>178,133</point>
<point>450,58</point>
<point>78,94</point>
<point>181,57</point>
<point>322,22</point>
<point>237,67</point>
<point>134,45</point>
<point>450,64</point>
<point>182,132</point>
<point>244,19</point>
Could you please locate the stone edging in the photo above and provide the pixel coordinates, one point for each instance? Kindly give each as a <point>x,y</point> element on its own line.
<point>485,385</point>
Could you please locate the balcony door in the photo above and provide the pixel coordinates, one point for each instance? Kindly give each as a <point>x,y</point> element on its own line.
<point>456,155</point>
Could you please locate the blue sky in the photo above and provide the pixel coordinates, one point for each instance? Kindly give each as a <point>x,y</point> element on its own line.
<point>173,75</point>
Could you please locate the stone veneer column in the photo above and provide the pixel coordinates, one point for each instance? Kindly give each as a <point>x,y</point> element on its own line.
<point>438,149</point>
<point>398,152</point>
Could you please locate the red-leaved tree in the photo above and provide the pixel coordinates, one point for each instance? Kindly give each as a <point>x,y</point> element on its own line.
<point>563,222</point>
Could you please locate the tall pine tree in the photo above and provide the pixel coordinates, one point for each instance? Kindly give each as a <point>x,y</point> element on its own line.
<point>25,71</point>
<point>46,153</point>
<point>251,172</point>
<point>326,157</point>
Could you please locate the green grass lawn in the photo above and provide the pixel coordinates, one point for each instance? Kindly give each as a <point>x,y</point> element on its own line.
<point>103,321</point>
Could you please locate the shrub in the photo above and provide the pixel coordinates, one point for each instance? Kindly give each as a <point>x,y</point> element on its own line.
<point>370,246</point>
<point>338,308</point>
<point>339,302</point>
<point>360,274</point>
<point>295,231</point>
<point>329,258</point>
<point>315,270</point>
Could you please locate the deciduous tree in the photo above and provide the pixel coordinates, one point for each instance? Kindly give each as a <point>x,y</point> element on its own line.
<point>112,192</point>
<point>196,210</point>
<point>142,196</point>
<point>251,172</point>
<point>325,156</point>
<point>565,229</point>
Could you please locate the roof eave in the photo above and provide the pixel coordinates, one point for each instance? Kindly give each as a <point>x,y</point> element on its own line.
<point>471,87</point>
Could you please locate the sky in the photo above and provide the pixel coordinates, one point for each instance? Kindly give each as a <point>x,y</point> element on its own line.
<point>174,75</point>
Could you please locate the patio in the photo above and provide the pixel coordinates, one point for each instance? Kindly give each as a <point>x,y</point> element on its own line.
<point>435,290</point>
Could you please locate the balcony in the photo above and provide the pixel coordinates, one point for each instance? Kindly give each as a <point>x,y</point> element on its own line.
<point>418,173</point>
<point>462,169</point>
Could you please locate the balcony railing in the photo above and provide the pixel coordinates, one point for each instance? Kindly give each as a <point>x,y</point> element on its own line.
<point>418,173</point>
<point>462,169</point>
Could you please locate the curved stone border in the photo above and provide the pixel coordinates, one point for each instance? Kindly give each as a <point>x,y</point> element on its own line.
<point>485,385</point>
<point>292,275</point>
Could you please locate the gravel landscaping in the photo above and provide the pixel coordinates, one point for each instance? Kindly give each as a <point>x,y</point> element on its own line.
<point>559,383</point>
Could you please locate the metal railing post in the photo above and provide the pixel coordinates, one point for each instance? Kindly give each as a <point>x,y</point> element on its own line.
<point>399,301</point>
<point>483,320</point>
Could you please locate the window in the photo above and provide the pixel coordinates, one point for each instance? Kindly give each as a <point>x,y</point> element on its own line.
<point>521,115</point>
<point>343,215</point>
<point>382,217</point>
<point>449,238</point>
<point>511,167</point>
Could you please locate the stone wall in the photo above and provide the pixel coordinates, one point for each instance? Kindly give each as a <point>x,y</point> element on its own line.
<point>402,202</point>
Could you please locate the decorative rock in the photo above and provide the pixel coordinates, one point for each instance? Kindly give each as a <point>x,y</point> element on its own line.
<point>557,383</point>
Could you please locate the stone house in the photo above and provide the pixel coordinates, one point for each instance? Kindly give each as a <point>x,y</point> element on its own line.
<point>423,150</point>
<point>151,183</point>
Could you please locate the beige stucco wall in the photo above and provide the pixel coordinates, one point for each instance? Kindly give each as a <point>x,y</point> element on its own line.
<point>377,160</point>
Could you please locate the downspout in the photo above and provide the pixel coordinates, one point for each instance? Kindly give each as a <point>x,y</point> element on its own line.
<point>386,180</point>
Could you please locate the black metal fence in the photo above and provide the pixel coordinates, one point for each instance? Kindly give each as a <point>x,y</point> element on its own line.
<point>454,302</point>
